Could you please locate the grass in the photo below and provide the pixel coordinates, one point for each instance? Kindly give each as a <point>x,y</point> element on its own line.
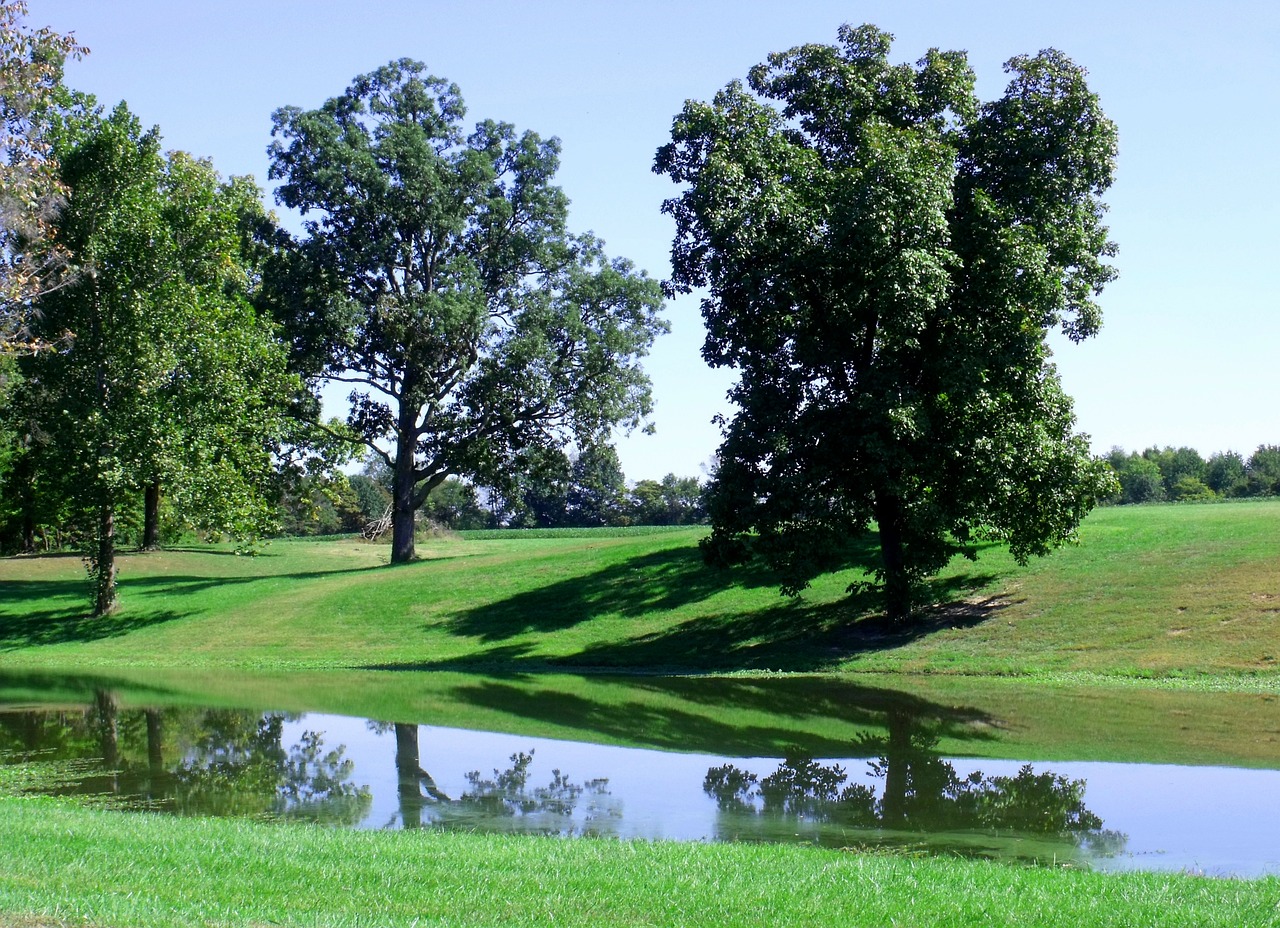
<point>1167,592</point>
<point>1164,614</point>
<point>61,865</point>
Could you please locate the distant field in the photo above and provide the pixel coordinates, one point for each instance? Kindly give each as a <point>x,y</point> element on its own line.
<point>1162,591</point>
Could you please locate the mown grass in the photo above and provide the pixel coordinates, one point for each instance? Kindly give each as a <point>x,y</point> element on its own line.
<point>1151,592</point>
<point>61,865</point>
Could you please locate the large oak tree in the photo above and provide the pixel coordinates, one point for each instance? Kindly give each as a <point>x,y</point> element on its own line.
<point>883,257</point>
<point>438,277</point>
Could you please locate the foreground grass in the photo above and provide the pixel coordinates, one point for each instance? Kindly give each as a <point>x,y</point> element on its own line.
<point>1151,592</point>
<point>62,865</point>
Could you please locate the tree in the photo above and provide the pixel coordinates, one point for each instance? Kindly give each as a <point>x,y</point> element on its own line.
<point>1141,481</point>
<point>597,487</point>
<point>1263,471</point>
<point>1225,473</point>
<point>437,277</point>
<point>671,501</point>
<point>883,257</point>
<point>1176,465</point>
<point>171,375</point>
<point>30,191</point>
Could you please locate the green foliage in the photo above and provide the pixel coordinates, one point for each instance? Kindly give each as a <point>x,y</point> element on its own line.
<point>1140,478</point>
<point>882,256</point>
<point>31,96</point>
<point>1224,473</point>
<point>437,276</point>
<point>1263,471</point>
<point>372,496</point>
<point>533,534</point>
<point>1182,475</point>
<point>171,378</point>
<point>597,488</point>
<point>456,505</point>
<point>322,504</point>
<point>671,501</point>
<point>1190,489</point>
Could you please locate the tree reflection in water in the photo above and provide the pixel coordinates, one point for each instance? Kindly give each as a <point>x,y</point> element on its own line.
<point>504,802</point>
<point>188,761</point>
<point>923,800</point>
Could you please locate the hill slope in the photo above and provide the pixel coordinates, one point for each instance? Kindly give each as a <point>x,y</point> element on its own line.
<point>1149,591</point>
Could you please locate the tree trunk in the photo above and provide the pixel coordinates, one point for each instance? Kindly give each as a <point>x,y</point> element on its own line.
<point>402,507</point>
<point>28,534</point>
<point>155,740</point>
<point>109,734</point>
<point>408,767</point>
<point>104,567</point>
<point>897,757</point>
<point>897,582</point>
<point>151,518</point>
<point>157,780</point>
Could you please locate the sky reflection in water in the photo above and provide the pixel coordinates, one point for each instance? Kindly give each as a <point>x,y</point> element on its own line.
<point>349,771</point>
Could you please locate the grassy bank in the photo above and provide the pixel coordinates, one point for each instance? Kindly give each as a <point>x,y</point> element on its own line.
<point>61,865</point>
<point>742,716</point>
<point>1166,591</point>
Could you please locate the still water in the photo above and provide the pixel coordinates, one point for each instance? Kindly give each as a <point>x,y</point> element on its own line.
<point>893,786</point>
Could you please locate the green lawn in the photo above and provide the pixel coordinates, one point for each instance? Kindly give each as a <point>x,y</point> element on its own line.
<point>1163,591</point>
<point>61,865</point>
<point>1150,592</point>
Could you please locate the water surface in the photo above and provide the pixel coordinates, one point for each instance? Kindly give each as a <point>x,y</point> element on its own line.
<point>887,771</point>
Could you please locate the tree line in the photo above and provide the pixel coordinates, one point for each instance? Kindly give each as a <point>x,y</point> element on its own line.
<point>1182,474</point>
<point>589,492</point>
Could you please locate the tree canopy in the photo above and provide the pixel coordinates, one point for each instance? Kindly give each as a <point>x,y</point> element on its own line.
<point>883,256</point>
<point>170,377</point>
<point>30,192</point>
<point>438,278</point>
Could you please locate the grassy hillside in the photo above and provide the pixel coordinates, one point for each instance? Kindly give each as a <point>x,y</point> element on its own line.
<point>1150,591</point>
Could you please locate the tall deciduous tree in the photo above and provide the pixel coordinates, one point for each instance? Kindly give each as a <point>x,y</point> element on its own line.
<point>883,256</point>
<point>171,377</point>
<point>438,277</point>
<point>30,192</point>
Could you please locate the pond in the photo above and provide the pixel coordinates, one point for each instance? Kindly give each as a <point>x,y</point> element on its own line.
<point>813,761</point>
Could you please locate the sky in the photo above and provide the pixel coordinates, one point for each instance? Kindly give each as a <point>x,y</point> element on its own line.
<point>1190,345</point>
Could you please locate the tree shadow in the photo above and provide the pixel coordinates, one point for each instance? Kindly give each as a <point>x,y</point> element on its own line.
<point>641,585</point>
<point>793,635</point>
<point>45,624</point>
<point>68,624</point>
<point>657,582</point>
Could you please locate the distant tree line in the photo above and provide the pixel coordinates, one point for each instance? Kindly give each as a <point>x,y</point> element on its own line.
<point>583,489</point>
<point>1181,474</point>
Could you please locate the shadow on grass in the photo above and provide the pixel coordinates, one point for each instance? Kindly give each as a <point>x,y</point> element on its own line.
<point>70,623</point>
<point>644,585</point>
<point>792,635</point>
<point>44,612</point>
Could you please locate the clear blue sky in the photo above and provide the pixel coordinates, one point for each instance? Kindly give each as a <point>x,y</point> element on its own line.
<point>1190,347</point>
